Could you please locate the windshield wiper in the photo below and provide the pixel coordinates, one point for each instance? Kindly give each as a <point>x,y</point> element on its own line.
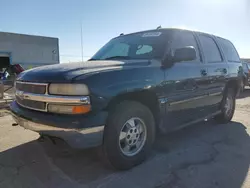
<point>117,57</point>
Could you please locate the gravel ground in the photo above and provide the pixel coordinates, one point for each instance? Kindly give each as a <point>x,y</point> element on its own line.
<point>206,155</point>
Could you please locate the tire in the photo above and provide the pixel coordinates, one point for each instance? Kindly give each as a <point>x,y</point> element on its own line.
<point>115,144</point>
<point>242,85</point>
<point>227,106</point>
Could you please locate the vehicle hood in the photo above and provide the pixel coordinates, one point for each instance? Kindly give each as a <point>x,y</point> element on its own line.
<point>66,72</point>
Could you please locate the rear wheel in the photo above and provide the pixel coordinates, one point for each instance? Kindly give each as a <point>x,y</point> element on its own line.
<point>227,107</point>
<point>242,85</point>
<point>129,135</point>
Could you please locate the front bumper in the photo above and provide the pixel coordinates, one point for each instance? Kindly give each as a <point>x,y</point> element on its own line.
<point>73,131</point>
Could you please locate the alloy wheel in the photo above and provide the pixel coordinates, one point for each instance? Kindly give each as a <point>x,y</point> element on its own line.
<point>132,136</point>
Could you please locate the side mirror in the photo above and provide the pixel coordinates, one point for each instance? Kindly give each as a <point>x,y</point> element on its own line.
<point>187,53</point>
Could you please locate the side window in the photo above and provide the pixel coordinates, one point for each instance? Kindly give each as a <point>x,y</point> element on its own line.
<point>245,66</point>
<point>229,50</point>
<point>120,49</point>
<point>143,49</point>
<point>210,49</point>
<point>182,39</point>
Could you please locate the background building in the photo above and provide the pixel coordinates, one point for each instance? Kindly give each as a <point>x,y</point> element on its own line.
<point>27,50</point>
<point>246,60</point>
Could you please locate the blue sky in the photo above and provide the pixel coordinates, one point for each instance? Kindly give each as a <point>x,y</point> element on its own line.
<point>104,19</point>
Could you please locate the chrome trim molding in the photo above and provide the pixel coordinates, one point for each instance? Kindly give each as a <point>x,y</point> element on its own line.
<point>214,94</point>
<point>32,83</point>
<point>53,98</point>
<point>188,100</point>
<point>47,98</point>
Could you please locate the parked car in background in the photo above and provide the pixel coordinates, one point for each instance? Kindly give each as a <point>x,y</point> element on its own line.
<point>10,72</point>
<point>246,74</point>
<point>134,87</point>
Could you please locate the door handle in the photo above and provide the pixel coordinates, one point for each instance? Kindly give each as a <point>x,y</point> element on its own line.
<point>224,70</point>
<point>204,72</point>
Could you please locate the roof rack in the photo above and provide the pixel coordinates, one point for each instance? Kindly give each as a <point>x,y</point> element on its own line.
<point>159,27</point>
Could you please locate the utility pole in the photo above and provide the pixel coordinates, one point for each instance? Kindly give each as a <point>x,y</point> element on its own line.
<point>81,42</point>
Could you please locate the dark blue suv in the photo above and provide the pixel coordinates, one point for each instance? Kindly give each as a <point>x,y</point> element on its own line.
<point>134,87</point>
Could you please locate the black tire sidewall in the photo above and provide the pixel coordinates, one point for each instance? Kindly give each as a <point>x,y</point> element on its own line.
<point>225,117</point>
<point>122,113</point>
<point>242,85</point>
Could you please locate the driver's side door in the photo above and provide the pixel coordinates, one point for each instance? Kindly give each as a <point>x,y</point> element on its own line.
<point>185,84</point>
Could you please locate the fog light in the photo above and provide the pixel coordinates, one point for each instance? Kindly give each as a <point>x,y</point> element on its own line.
<point>69,109</point>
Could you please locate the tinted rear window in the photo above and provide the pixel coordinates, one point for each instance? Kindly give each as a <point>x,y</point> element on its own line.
<point>210,49</point>
<point>229,50</point>
<point>245,67</point>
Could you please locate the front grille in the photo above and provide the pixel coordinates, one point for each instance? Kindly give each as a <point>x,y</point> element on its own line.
<point>34,105</point>
<point>31,88</point>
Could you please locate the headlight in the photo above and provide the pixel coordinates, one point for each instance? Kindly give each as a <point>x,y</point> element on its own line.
<point>69,109</point>
<point>68,89</point>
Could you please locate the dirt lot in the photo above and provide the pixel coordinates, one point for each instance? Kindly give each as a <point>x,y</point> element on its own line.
<point>206,155</point>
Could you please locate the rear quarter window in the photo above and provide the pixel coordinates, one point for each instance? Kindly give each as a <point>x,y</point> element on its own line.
<point>245,67</point>
<point>229,50</point>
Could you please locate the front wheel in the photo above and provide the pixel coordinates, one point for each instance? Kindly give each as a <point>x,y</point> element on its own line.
<point>227,106</point>
<point>129,135</point>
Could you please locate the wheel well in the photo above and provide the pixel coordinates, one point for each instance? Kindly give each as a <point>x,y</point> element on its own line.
<point>146,98</point>
<point>235,85</point>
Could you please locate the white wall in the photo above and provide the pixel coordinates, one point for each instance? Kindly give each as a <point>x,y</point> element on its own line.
<point>30,50</point>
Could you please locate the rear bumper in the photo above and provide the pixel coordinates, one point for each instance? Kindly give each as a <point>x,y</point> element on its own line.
<point>77,135</point>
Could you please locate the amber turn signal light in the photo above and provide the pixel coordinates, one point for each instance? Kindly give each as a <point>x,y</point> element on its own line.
<point>81,109</point>
<point>69,109</point>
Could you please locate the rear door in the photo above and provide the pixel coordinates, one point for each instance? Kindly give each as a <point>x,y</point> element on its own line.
<point>232,57</point>
<point>217,71</point>
<point>185,87</point>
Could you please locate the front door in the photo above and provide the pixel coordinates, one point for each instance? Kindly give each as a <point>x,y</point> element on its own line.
<point>185,85</point>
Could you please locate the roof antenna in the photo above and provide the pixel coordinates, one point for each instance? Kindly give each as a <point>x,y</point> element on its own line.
<point>121,34</point>
<point>159,27</point>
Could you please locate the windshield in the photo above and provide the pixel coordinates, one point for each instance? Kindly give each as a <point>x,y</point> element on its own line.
<point>146,45</point>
